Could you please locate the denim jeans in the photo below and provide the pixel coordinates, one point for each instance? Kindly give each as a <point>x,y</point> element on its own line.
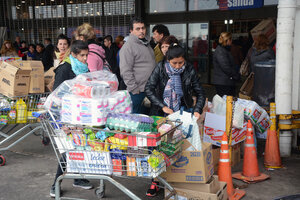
<point>137,100</point>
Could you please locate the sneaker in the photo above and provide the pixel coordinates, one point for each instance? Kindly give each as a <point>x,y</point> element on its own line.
<point>152,191</point>
<point>52,191</point>
<point>82,183</point>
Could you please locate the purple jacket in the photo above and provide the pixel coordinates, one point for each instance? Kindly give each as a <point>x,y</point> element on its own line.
<point>95,63</point>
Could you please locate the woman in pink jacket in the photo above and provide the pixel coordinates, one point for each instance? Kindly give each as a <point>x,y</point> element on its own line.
<point>96,54</point>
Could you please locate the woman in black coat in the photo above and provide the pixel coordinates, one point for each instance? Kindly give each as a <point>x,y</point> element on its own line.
<point>225,74</point>
<point>261,51</point>
<point>172,84</point>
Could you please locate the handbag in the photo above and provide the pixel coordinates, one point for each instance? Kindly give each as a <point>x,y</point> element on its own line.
<point>245,66</point>
<point>247,86</point>
<point>244,70</point>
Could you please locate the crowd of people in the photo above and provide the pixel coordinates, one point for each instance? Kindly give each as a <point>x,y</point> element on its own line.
<point>159,74</point>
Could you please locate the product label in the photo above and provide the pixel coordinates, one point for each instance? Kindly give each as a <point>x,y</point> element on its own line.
<point>12,114</point>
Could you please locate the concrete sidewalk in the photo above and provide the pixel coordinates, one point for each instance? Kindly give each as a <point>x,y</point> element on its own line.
<point>31,166</point>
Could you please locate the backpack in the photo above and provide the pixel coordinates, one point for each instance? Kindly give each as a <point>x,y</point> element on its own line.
<point>106,65</point>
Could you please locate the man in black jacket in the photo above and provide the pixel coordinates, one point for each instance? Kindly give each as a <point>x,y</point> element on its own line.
<point>111,51</point>
<point>48,54</point>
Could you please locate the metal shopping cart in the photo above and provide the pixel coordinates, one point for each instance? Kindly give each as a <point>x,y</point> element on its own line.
<point>82,155</point>
<point>17,112</point>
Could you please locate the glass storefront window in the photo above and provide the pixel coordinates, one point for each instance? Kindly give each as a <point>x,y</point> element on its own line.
<point>203,5</point>
<point>161,6</point>
<point>119,7</point>
<point>178,30</point>
<point>198,48</point>
<point>18,12</point>
<point>43,12</point>
<point>82,10</point>
<point>114,31</point>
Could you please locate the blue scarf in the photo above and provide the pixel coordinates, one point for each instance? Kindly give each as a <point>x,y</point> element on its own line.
<point>77,66</point>
<point>173,90</point>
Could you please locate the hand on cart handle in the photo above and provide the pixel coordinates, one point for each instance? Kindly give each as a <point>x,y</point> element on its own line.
<point>197,115</point>
<point>39,114</point>
<point>167,110</point>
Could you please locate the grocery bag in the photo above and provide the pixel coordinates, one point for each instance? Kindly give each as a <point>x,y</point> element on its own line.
<point>189,127</point>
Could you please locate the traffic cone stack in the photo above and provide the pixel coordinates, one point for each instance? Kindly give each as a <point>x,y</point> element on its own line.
<point>224,171</point>
<point>272,153</point>
<point>250,172</point>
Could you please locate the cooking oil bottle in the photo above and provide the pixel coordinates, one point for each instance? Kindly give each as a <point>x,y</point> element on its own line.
<point>21,108</point>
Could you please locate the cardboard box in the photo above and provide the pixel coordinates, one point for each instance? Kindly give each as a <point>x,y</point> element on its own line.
<point>14,80</point>
<point>37,84</point>
<point>265,27</point>
<point>192,166</point>
<point>186,194</point>
<point>235,156</point>
<point>216,158</point>
<point>214,129</point>
<point>212,186</point>
<point>49,75</point>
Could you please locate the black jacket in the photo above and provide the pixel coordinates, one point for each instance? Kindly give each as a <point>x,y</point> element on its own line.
<point>111,57</point>
<point>157,82</point>
<point>48,57</point>
<point>225,70</point>
<point>62,73</point>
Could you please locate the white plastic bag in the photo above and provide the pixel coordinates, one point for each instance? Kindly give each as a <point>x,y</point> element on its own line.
<point>219,108</point>
<point>219,105</point>
<point>189,127</point>
<point>238,116</point>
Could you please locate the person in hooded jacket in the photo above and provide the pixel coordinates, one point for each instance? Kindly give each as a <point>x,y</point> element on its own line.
<point>96,56</point>
<point>261,51</point>
<point>225,73</point>
<point>172,84</point>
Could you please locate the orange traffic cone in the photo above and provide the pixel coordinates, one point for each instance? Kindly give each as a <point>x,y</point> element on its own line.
<point>272,153</point>
<point>224,171</point>
<point>250,172</point>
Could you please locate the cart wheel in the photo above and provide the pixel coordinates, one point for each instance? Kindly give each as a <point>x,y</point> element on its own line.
<point>2,160</point>
<point>46,140</point>
<point>100,192</point>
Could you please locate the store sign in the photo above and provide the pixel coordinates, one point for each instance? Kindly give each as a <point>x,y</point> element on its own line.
<point>239,4</point>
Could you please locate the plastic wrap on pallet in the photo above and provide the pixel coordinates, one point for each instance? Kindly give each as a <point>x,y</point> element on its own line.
<point>101,77</point>
<point>80,109</point>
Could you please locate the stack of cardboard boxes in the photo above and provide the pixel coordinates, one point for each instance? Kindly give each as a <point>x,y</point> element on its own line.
<point>192,175</point>
<point>19,78</point>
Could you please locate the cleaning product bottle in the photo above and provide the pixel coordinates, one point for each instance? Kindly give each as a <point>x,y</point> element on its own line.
<point>12,113</point>
<point>21,111</point>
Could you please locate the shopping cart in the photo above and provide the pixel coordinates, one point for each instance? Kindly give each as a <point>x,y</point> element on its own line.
<point>17,112</point>
<point>81,155</point>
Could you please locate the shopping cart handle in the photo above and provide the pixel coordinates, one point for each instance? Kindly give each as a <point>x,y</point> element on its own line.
<point>38,113</point>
